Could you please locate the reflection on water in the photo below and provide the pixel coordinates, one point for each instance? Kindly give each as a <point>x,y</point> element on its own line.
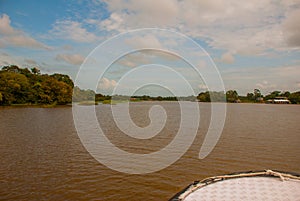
<point>42,157</point>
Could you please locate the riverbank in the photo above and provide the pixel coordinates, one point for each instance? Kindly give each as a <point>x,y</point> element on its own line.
<point>115,102</point>
<point>35,106</point>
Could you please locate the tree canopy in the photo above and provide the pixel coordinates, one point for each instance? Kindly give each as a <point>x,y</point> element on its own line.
<point>20,86</point>
<point>233,97</point>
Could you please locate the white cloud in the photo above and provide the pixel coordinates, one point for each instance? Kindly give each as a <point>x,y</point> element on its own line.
<point>160,54</point>
<point>146,41</point>
<point>75,59</point>
<point>24,41</point>
<point>5,28</point>
<point>242,27</point>
<point>72,30</point>
<point>17,38</point>
<point>133,60</point>
<point>202,87</point>
<point>286,72</point>
<point>106,84</point>
<point>6,59</point>
<point>30,61</point>
<point>138,14</point>
<point>292,28</point>
<point>227,58</point>
<point>113,23</point>
<point>245,79</point>
<point>146,56</point>
<point>265,85</point>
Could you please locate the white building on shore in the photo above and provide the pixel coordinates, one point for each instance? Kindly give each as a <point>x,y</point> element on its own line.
<point>279,100</point>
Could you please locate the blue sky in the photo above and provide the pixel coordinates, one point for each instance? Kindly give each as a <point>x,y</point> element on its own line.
<point>254,44</point>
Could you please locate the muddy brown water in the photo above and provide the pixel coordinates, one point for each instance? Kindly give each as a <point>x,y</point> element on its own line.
<point>42,157</point>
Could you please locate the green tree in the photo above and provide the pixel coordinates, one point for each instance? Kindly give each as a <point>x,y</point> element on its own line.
<point>272,95</point>
<point>19,85</point>
<point>250,97</point>
<point>83,95</point>
<point>55,92</point>
<point>63,78</point>
<point>14,87</point>
<point>285,94</point>
<point>11,68</point>
<point>204,97</point>
<point>257,93</point>
<point>35,71</point>
<point>26,72</point>
<point>217,96</point>
<point>232,96</point>
<point>295,97</point>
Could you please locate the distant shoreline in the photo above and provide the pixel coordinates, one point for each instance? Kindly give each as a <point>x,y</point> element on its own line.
<point>114,103</point>
<point>30,88</point>
<point>34,106</point>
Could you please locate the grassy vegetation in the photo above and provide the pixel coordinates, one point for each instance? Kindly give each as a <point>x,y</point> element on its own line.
<point>88,103</point>
<point>114,102</point>
<point>36,105</point>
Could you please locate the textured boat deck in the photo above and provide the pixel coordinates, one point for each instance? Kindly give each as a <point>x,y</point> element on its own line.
<point>249,188</point>
<point>254,185</point>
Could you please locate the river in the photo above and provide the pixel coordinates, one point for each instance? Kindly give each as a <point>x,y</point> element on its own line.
<point>42,157</point>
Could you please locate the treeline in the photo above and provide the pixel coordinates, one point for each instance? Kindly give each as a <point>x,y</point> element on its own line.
<point>24,86</point>
<point>29,86</point>
<point>232,96</point>
<point>100,97</point>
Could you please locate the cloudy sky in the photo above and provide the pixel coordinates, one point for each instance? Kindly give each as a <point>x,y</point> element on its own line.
<point>254,44</point>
